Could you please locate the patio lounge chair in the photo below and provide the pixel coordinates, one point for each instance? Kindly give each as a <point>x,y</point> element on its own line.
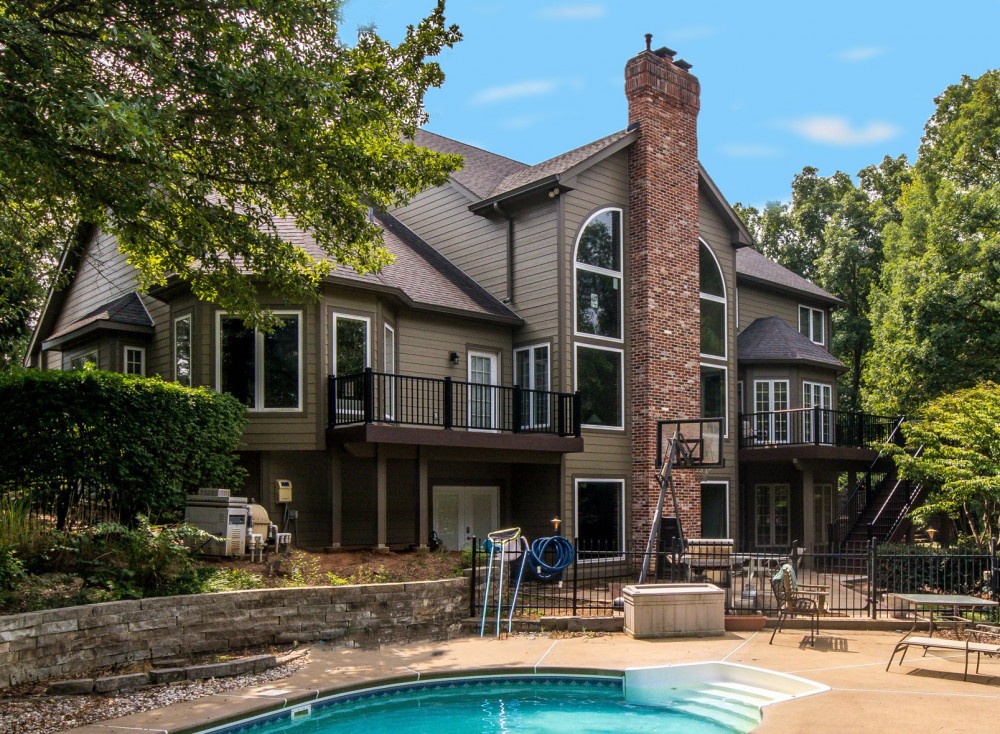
<point>795,600</point>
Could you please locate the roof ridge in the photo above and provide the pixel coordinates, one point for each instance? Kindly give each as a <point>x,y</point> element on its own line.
<point>474,147</point>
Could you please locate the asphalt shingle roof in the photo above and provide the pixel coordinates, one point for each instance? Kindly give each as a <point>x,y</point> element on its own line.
<point>751,264</point>
<point>772,340</point>
<point>127,309</point>
<point>482,170</point>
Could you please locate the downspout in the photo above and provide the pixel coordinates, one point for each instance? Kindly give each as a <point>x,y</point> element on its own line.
<point>509,296</point>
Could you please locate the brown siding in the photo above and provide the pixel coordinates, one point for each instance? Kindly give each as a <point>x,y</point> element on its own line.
<point>758,303</point>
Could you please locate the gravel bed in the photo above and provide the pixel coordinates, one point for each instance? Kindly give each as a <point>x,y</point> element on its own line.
<point>32,712</point>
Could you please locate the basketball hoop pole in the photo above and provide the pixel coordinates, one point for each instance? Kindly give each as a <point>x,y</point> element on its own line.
<point>677,445</point>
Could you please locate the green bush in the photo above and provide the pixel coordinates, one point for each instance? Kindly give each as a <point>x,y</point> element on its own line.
<point>11,568</point>
<point>130,563</point>
<point>232,579</point>
<point>137,445</point>
<point>26,535</point>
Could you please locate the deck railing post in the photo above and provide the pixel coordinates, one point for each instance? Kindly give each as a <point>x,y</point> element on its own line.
<point>516,409</point>
<point>369,392</point>
<point>577,418</point>
<point>449,400</point>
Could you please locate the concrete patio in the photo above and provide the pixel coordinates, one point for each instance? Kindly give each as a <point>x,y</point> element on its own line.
<point>924,695</point>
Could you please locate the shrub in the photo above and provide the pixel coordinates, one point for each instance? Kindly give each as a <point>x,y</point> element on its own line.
<point>137,445</point>
<point>26,535</point>
<point>11,568</point>
<point>232,579</point>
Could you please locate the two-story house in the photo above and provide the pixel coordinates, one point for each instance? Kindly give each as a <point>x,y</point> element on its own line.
<point>510,366</point>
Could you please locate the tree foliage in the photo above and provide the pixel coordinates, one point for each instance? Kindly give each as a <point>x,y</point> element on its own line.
<point>936,313</point>
<point>960,463</point>
<point>192,130</point>
<point>831,233</point>
<point>133,444</point>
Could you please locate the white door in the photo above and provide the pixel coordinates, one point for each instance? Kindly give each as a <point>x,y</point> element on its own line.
<point>817,395</point>
<point>771,411</point>
<point>482,395</point>
<point>464,513</point>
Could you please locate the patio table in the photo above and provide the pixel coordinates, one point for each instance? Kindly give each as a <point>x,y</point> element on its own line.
<point>955,602</point>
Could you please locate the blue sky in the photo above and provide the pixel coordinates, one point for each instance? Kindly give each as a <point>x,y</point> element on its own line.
<point>784,84</point>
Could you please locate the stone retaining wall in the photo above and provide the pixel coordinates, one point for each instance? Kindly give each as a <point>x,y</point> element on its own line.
<point>75,640</point>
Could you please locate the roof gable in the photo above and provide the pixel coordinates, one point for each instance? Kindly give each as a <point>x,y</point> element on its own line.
<point>772,340</point>
<point>755,267</point>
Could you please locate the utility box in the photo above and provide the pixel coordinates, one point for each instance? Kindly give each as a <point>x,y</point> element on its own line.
<point>225,517</point>
<point>283,489</point>
<point>674,610</point>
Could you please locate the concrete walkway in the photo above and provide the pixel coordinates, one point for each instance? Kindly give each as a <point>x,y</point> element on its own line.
<point>924,695</point>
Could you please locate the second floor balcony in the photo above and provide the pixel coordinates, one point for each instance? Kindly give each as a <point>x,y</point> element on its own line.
<point>384,407</point>
<point>817,432</point>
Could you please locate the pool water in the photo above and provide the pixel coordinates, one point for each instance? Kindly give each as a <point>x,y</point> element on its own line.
<point>549,704</point>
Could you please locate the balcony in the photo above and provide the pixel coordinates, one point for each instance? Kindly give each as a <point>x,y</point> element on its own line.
<point>812,433</point>
<point>379,407</point>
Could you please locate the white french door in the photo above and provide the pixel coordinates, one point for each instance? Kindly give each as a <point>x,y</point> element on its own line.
<point>770,411</point>
<point>771,516</point>
<point>482,395</point>
<point>817,395</point>
<point>464,513</point>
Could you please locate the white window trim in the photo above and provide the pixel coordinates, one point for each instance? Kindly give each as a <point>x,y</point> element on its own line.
<point>530,349</point>
<point>258,381</point>
<point>725,395</point>
<point>333,338</point>
<point>142,359</point>
<point>621,514</point>
<point>807,386</point>
<point>621,353</point>
<point>389,367</point>
<point>772,410</point>
<point>185,317</point>
<point>719,481</point>
<point>495,373</point>
<point>620,274</point>
<point>814,313</point>
<point>717,299</point>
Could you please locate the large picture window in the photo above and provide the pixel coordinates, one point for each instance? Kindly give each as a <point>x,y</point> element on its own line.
<point>261,370</point>
<point>713,392</point>
<point>713,305</point>
<point>182,350</point>
<point>599,378</point>
<point>598,276</point>
<point>600,516</point>
<point>351,350</point>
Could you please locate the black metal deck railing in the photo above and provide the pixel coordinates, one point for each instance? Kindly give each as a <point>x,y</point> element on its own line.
<point>860,583</point>
<point>817,426</point>
<point>378,397</point>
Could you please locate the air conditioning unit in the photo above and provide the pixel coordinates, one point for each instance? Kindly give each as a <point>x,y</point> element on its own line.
<point>222,516</point>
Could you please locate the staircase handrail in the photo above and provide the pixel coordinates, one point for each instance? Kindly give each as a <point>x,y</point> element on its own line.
<point>842,514</point>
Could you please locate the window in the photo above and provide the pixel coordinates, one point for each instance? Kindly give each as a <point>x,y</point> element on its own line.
<point>261,370</point>
<point>600,516</point>
<point>715,509</point>
<point>134,361</point>
<point>811,323</point>
<point>182,350</point>
<point>713,305</point>
<point>713,392</point>
<point>599,380</point>
<point>389,367</point>
<point>531,373</point>
<point>771,514</point>
<point>482,393</point>
<point>598,276</point>
<point>78,362</point>
<point>351,351</point>
<point>817,395</point>
<point>771,411</point>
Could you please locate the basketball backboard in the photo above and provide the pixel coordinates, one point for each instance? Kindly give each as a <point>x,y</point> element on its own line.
<point>702,437</point>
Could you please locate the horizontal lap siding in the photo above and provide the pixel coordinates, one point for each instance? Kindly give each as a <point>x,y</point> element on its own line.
<point>536,275</point>
<point>424,344</point>
<point>757,303</point>
<point>159,352</point>
<point>102,276</point>
<point>607,453</point>
<point>476,244</point>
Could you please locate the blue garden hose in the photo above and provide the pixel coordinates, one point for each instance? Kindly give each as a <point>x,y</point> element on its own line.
<point>564,556</point>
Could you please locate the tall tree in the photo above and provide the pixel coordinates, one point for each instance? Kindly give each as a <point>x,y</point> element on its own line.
<point>187,129</point>
<point>936,312</point>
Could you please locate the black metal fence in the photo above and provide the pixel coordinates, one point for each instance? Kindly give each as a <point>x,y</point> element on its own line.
<point>857,583</point>
<point>378,397</point>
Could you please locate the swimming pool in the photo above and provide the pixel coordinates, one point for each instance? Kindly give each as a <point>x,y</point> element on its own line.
<point>702,698</point>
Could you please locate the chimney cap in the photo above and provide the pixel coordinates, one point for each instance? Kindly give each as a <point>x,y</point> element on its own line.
<point>649,41</point>
<point>686,66</point>
<point>663,51</point>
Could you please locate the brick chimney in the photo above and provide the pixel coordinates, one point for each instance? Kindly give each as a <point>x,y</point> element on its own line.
<point>664,307</point>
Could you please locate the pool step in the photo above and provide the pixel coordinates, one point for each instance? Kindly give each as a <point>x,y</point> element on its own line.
<point>751,695</point>
<point>734,715</point>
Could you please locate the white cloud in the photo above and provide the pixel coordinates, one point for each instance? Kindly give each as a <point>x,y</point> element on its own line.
<point>861,53</point>
<point>522,122</point>
<point>518,90</point>
<point>838,131</point>
<point>573,12</point>
<point>750,150</point>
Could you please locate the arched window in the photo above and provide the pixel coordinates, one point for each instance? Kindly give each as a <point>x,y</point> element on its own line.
<point>598,276</point>
<point>713,305</point>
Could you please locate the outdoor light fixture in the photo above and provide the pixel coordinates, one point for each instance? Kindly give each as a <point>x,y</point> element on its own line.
<point>454,358</point>
<point>554,192</point>
<point>556,522</point>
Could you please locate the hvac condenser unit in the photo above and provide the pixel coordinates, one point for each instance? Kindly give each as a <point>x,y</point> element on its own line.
<point>225,517</point>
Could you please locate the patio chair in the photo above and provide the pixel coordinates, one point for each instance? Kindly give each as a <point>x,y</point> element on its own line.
<point>793,602</point>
